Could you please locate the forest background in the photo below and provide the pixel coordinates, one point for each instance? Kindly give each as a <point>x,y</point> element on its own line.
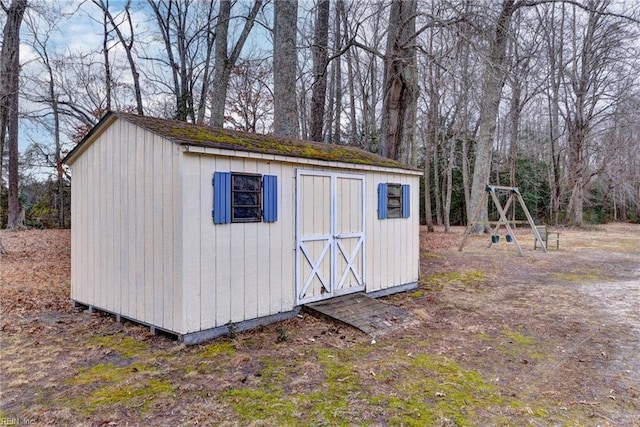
<point>543,95</point>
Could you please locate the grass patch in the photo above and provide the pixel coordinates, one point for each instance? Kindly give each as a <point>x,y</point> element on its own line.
<point>432,255</point>
<point>108,372</point>
<point>451,278</point>
<point>518,338</point>
<point>128,386</point>
<point>217,348</point>
<point>435,390</point>
<point>265,399</point>
<point>417,294</point>
<point>125,345</point>
<point>137,395</point>
<point>576,277</point>
<point>520,346</point>
<point>253,405</point>
<point>326,403</point>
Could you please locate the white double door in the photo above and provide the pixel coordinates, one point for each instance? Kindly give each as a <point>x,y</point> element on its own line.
<point>330,239</point>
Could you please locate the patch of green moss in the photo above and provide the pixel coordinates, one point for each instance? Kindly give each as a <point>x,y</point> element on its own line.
<point>107,372</point>
<point>253,405</point>
<point>433,255</point>
<point>217,348</point>
<point>125,345</point>
<point>434,389</point>
<point>137,395</point>
<point>576,277</point>
<point>518,338</point>
<point>328,404</point>
<point>265,399</point>
<point>483,337</point>
<point>464,278</point>
<point>108,385</point>
<point>417,294</point>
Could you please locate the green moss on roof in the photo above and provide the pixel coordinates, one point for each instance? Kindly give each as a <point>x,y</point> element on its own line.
<point>200,135</point>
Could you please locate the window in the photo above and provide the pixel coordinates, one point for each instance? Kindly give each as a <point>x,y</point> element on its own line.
<point>241,197</point>
<point>246,200</point>
<point>393,200</point>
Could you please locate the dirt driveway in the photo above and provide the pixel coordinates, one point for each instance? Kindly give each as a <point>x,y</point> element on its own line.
<point>546,339</point>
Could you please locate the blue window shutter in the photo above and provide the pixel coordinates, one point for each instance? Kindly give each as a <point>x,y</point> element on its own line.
<point>406,201</point>
<point>221,197</point>
<point>269,198</point>
<point>382,200</point>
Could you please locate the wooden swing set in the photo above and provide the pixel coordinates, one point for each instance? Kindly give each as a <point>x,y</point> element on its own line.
<point>514,193</point>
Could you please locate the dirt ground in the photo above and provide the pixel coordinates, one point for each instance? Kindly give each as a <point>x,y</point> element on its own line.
<point>545,339</point>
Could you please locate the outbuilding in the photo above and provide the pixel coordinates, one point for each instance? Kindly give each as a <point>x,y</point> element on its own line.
<point>195,230</point>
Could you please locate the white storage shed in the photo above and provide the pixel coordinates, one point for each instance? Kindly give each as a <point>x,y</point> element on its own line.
<point>190,229</point>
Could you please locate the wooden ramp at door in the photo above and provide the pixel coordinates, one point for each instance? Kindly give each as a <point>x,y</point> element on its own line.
<point>371,316</point>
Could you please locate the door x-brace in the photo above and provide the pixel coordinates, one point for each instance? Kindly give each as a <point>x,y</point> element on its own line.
<point>513,193</point>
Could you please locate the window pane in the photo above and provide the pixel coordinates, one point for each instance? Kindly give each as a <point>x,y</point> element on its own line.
<point>244,199</point>
<point>246,214</point>
<point>246,183</point>
<point>394,202</point>
<point>394,190</point>
<point>394,212</point>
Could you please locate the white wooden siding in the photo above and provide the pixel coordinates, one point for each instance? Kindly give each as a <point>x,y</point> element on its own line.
<point>393,246</point>
<point>238,271</point>
<point>124,226</point>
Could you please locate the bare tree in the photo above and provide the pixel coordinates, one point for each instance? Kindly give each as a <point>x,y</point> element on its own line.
<point>127,44</point>
<point>553,34</point>
<point>285,113</point>
<point>249,98</point>
<point>41,31</point>
<point>9,84</point>
<point>588,76</point>
<point>224,61</point>
<point>494,76</point>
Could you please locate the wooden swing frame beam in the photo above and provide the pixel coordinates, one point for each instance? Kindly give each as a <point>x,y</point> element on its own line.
<point>514,193</point>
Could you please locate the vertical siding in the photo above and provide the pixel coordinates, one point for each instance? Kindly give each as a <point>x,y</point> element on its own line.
<point>393,247</point>
<point>234,272</point>
<point>124,225</point>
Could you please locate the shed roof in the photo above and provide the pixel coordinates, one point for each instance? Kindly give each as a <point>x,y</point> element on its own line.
<point>189,134</point>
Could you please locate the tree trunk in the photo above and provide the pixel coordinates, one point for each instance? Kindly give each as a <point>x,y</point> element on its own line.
<point>494,76</point>
<point>285,106</point>
<point>514,118</point>
<point>319,88</point>
<point>555,38</point>
<point>465,177</point>
<point>436,181</point>
<point>204,89</point>
<point>353,137</point>
<point>225,62</point>
<point>335,126</point>
<point>107,63</point>
<point>9,84</point>
<point>400,85</point>
<point>427,188</point>
<point>221,71</point>
<point>449,189</point>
